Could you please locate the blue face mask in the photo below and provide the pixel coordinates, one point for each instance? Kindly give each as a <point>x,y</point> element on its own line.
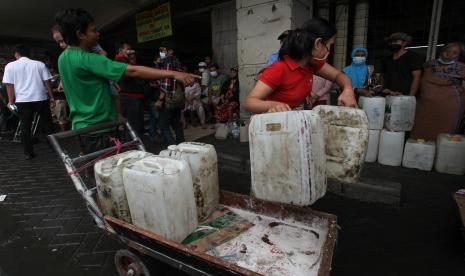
<point>446,62</point>
<point>213,74</point>
<point>162,55</point>
<point>359,60</point>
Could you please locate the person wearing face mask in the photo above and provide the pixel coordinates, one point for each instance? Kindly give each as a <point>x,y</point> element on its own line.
<point>214,88</point>
<point>400,71</point>
<point>441,104</point>
<point>286,83</point>
<point>357,72</point>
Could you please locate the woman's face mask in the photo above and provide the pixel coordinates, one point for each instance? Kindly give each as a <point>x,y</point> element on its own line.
<point>359,60</point>
<point>201,70</point>
<point>162,55</point>
<point>446,62</point>
<point>319,60</point>
<point>213,74</point>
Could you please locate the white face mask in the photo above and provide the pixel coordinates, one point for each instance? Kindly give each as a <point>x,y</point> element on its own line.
<point>162,55</point>
<point>359,60</point>
<point>201,70</point>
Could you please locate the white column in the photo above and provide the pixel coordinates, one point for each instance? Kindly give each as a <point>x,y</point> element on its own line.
<point>340,45</point>
<point>224,35</point>
<point>259,23</point>
<point>361,24</point>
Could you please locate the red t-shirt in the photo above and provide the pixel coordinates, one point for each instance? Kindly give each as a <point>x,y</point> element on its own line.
<point>290,81</point>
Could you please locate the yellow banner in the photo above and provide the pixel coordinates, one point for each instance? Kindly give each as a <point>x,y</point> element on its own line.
<point>154,24</point>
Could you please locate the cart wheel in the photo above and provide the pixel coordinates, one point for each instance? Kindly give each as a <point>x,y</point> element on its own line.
<point>129,264</point>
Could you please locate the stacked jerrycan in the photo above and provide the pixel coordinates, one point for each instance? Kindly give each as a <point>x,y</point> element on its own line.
<point>450,156</point>
<point>374,107</point>
<point>399,117</point>
<point>419,154</point>
<point>287,157</point>
<point>110,187</point>
<point>346,138</point>
<point>203,164</point>
<point>161,196</point>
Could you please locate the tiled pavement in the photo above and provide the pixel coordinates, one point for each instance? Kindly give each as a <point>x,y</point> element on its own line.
<point>43,212</point>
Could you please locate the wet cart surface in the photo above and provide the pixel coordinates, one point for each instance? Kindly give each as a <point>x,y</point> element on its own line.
<point>245,236</point>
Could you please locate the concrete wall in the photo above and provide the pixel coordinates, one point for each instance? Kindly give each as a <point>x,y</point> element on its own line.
<point>259,23</point>
<point>224,35</point>
<point>361,24</point>
<point>340,45</point>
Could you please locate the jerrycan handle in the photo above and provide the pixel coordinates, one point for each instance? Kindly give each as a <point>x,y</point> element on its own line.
<point>160,169</point>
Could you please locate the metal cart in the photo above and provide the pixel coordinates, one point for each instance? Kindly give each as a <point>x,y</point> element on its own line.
<point>146,246</point>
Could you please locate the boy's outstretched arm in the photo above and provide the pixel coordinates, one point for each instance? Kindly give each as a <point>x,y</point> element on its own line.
<point>151,73</point>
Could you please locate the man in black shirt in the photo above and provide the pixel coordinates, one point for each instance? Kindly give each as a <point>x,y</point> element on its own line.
<point>400,73</point>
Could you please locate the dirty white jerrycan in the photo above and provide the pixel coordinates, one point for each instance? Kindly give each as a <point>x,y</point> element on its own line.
<point>161,196</point>
<point>346,139</point>
<point>419,154</point>
<point>287,157</point>
<point>391,147</point>
<point>450,157</point>
<point>373,145</point>
<point>203,163</point>
<point>109,180</point>
<point>400,113</point>
<point>374,108</point>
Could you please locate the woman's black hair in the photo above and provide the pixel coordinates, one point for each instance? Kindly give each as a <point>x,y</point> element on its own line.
<point>22,50</point>
<point>72,20</point>
<point>299,43</point>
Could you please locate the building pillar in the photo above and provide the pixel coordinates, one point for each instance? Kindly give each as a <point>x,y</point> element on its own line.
<point>342,24</point>
<point>323,9</point>
<point>361,24</point>
<point>259,23</point>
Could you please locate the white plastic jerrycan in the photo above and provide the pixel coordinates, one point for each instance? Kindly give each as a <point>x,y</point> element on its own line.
<point>346,139</point>
<point>400,113</point>
<point>374,108</point>
<point>109,180</point>
<point>161,196</point>
<point>287,157</point>
<point>203,164</point>
<point>419,154</point>
<point>391,147</point>
<point>373,145</point>
<point>450,156</point>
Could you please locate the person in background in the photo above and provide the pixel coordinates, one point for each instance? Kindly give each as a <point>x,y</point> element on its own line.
<point>208,61</point>
<point>203,69</point>
<point>286,83</point>
<point>320,92</point>
<point>401,71</point>
<point>229,100</point>
<point>29,88</point>
<point>132,91</point>
<point>217,80</point>
<point>194,104</point>
<point>274,57</point>
<point>60,111</point>
<point>441,103</point>
<point>357,72</point>
<point>171,100</point>
<point>85,76</point>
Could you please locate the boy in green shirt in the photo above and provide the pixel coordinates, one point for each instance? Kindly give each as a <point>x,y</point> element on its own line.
<point>85,75</point>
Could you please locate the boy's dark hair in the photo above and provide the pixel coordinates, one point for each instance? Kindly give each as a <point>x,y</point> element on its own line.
<point>22,50</point>
<point>168,44</point>
<point>214,65</point>
<point>299,42</point>
<point>72,20</point>
<point>56,29</point>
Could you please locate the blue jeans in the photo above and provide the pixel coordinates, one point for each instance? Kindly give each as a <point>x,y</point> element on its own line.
<point>171,118</point>
<point>153,119</point>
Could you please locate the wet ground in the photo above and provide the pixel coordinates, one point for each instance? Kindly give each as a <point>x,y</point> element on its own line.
<point>46,230</point>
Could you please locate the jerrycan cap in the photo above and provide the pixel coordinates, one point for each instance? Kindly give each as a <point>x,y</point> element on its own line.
<point>455,138</point>
<point>421,141</point>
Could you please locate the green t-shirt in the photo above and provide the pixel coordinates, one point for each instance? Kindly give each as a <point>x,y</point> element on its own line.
<point>216,84</point>
<point>84,77</point>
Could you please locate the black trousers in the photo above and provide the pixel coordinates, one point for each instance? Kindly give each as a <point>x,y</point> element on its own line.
<point>26,112</point>
<point>132,108</point>
<point>171,118</point>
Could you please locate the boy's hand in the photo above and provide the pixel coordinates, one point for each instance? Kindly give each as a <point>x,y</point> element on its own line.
<point>185,78</point>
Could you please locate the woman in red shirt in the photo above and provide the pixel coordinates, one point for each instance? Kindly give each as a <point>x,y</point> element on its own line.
<point>284,85</point>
